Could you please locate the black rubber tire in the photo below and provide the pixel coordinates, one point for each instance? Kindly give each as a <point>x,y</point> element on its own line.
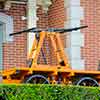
<point>86,81</point>
<point>37,76</point>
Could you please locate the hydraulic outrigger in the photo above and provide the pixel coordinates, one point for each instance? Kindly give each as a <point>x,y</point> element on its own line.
<point>48,73</point>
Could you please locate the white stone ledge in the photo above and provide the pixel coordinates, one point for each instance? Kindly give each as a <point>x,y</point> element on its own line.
<point>77,64</point>
<point>75,52</point>
<point>77,39</point>
<point>75,12</point>
<point>71,3</point>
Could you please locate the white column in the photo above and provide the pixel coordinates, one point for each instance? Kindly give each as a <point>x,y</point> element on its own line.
<point>74,13</point>
<point>32,20</point>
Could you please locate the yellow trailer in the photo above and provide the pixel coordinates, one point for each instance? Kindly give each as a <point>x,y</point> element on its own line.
<point>47,73</point>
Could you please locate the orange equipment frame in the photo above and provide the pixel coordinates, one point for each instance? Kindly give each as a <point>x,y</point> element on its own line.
<point>46,73</point>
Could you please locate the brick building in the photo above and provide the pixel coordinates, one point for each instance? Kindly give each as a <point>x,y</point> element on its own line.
<point>82,47</point>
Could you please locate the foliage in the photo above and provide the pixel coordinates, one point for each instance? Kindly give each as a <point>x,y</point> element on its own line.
<point>48,92</point>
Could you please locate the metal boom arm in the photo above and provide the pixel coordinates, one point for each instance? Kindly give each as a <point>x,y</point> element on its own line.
<point>60,30</point>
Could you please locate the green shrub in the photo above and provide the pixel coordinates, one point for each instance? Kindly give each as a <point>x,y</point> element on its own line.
<point>48,92</point>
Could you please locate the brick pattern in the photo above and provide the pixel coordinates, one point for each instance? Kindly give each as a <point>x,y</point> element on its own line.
<point>56,19</point>
<point>42,18</point>
<point>56,14</point>
<point>91,50</point>
<point>53,19</point>
<point>15,53</point>
<point>42,23</point>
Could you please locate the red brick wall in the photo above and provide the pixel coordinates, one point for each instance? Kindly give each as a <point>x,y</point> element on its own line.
<point>91,50</point>
<point>56,15</point>
<point>15,53</point>
<point>53,19</point>
<point>56,19</point>
<point>42,18</point>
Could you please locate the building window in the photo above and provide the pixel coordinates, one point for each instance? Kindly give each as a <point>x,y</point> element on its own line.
<point>7,26</point>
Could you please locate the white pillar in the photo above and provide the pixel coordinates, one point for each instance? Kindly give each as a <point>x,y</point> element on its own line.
<point>32,20</point>
<point>74,13</point>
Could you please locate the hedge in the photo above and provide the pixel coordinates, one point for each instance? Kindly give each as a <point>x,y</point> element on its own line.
<point>48,92</point>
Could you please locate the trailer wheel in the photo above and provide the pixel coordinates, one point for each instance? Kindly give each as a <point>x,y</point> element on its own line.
<point>87,81</point>
<point>37,79</point>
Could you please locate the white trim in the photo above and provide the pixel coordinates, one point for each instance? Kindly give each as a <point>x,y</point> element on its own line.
<point>1,48</point>
<point>32,21</point>
<point>68,3</point>
<point>8,22</point>
<point>18,2</point>
<point>45,4</point>
<point>74,13</point>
